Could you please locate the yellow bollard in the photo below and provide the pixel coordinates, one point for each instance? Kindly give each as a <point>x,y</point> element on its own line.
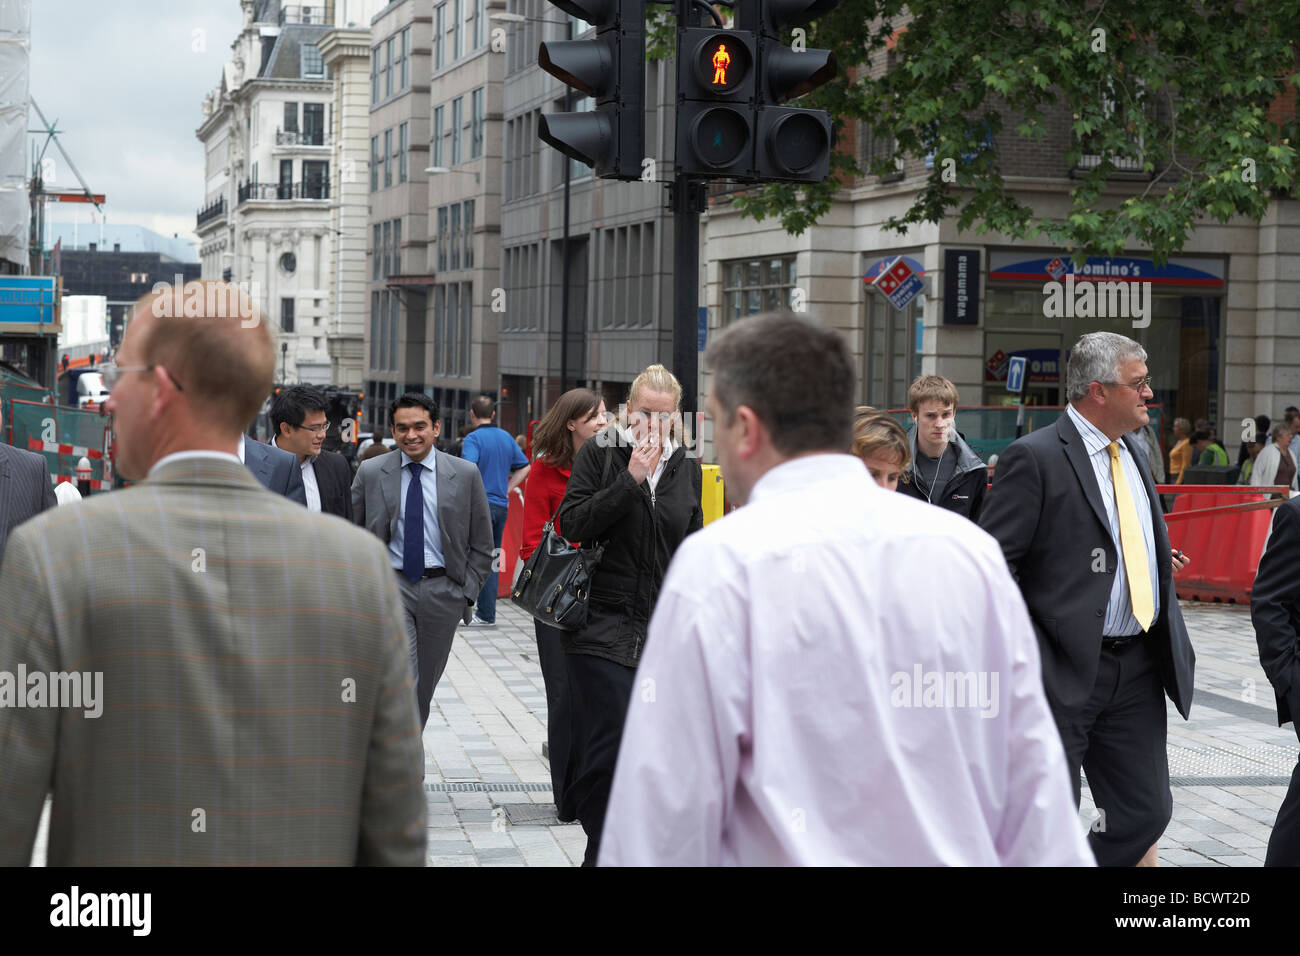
<point>711,497</point>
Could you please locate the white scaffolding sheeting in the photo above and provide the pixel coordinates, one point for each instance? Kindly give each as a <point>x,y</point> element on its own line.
<point>15,56</point>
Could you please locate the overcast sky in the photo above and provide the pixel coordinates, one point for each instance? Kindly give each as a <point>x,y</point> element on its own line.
<point>125,81</point>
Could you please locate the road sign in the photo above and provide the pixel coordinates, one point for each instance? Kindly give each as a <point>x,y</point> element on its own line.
<point>899,283</point>
<point>1016,374</point>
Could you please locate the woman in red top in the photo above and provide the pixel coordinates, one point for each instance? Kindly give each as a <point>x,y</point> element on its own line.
<point>577,416</point>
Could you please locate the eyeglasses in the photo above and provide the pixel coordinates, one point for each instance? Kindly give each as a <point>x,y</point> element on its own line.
<point>1138,386</point>
<point>320,429</point>
<point>113,373</point>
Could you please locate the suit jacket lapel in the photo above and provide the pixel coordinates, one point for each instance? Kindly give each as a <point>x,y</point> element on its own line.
<point>390,481</point>
<point>447,487</point>
<point>1077,455</point>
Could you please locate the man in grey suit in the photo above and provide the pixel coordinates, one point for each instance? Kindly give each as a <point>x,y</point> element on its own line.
<point>275,468</point>
<point>225,689</point>
<point>25,489</point>
<point>438,531</point>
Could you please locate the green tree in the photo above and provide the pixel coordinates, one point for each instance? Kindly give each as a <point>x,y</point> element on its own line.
<point>1191,82</point>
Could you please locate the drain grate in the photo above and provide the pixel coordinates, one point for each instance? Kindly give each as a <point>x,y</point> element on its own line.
<point>478,787</point>
<point>529,814</point>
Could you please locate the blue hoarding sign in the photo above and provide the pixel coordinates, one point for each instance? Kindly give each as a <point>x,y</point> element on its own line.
<point>27,300</point>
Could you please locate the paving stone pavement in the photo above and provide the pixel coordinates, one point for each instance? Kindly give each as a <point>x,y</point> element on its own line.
<point>484,772</point>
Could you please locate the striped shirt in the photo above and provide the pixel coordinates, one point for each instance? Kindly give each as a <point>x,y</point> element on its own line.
<point>1120,621</point>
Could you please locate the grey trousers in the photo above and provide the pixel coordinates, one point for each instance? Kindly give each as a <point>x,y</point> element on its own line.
<point>431,607</point>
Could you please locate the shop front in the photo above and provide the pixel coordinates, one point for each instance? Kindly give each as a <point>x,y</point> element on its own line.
<point>1037,304</point>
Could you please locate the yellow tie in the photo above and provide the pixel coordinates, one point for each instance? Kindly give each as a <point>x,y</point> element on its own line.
<point>1133,544</point>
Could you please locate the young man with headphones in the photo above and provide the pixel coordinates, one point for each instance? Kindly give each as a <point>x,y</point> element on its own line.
<point>944,470</point>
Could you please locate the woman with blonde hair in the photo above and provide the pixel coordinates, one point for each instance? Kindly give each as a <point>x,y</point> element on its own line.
<point>636,491</point>
<point>882,445</point>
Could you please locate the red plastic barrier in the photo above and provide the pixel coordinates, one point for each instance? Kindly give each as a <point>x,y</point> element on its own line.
<point>511,542</point>
<point>1225,547</point>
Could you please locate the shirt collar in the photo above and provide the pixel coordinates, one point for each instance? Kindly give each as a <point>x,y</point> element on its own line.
<point>427,462</point>
<point>179,455</point>
<point>1093,438</point>
<point>797,474</point>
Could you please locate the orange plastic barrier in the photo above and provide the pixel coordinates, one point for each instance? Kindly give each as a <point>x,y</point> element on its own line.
<point>511,541</point>
<point>1224,544</point>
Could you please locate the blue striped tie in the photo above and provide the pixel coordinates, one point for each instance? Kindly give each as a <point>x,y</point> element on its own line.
<point>413,527</point>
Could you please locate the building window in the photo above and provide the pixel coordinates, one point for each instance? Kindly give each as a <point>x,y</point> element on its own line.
<point>577,168</point>
<point>452,327</point>
<point>291,117</point>
<point>376,252</point>
<point>457,108</point>
<point>312,64</point>
<point>480,25</point>
<point>874,145</point>
<point>435,141</point>
<point>457,29</point>
<point>404,58</point>
<point>439,329</point>
<point>396,267</point>
<point>383,331</point>
<point>374,79</point>
<point>313,124</point>
<point>469,234</point>
<point>374,332</point>
<point>439,34</point>
<point>466,325</point>
<point>442,239</point>
<point>752,286</point>
<point>388,158</point>
<point>286,315</point>
<point>403,132</point>
<point>390,64</point>
<point>455,236</point>
<point>476,123</point>
<point>374,163</point>
<point>394,304</point>
<point>315,179</point>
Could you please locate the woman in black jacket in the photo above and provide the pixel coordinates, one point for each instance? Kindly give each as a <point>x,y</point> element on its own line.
<point>636,490</point>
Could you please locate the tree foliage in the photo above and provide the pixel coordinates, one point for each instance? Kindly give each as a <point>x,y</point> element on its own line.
<point>1184,87</point>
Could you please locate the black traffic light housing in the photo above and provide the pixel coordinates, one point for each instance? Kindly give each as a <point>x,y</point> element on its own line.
<point>790,144</point>
<point>611,69</point>
<point>716,81</point>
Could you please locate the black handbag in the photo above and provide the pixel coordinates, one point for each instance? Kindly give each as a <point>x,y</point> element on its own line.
<point>555,583</point>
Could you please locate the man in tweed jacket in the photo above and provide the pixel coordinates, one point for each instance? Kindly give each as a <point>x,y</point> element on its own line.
<point>255,704</point>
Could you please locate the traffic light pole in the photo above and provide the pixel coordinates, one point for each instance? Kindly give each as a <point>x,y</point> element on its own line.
<point>688,200</point>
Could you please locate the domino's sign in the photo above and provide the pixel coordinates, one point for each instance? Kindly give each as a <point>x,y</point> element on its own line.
<point>899,283</point>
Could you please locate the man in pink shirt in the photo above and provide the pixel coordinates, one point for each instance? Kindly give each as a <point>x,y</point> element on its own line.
<point>799,701</point>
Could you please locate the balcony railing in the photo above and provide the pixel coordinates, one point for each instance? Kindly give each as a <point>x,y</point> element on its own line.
<point>269,192</point>
<point>213,210</point>
<point>314,137</point>
<point>318,13</point>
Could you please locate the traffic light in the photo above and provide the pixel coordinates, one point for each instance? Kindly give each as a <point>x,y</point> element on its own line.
<point>791,144</point>
<point>716,72</point>
<point>611,70</point>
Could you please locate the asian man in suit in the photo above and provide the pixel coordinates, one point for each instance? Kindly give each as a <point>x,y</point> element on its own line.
<point>299,422</point>
<point>231,670</point>
<point>431,512</point>
<point>25,489</point>
<point>1076,512</point>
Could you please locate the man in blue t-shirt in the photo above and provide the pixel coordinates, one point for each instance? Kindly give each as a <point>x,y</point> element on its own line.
<point>503,466</point>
